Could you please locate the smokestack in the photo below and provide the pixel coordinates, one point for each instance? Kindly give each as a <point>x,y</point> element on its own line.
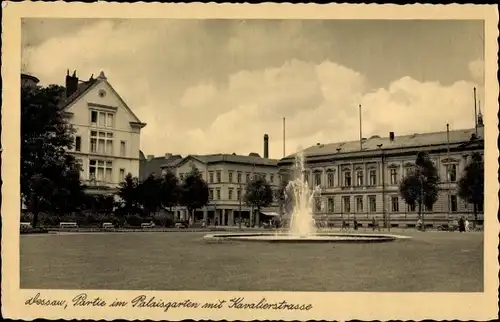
<point>391,136</point>
<point>266,146</point>
<point>71,83</point>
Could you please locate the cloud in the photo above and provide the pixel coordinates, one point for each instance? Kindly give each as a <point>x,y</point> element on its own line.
<point>320,103</point>
<point>210,90</point>
<point>476,69</point>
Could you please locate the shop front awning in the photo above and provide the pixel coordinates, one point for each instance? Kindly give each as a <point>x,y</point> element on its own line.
<point>270,213</point>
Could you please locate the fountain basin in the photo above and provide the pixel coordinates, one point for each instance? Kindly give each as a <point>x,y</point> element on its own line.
<point>313,238</point>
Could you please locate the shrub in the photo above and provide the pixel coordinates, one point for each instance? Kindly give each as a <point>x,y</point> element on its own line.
<point>134,220</point>
<point>25,230</point>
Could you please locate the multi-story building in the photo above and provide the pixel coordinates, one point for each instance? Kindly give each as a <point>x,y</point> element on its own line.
<point>360,179</point>
<point>151,165</point>
<point>107,133</point>
<point>227,176</point>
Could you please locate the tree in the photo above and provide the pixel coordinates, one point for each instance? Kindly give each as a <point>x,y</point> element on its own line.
<point>150,194</point>
<point>258,194</point>
<point>49,176</point>
<point>471,184</point>
<point>170,190</point>
<point>105,204</point>
<point>194,191</point>
<point>45,133</point>
<point>280,193</point>
<point>421,185</point>
<point>128,191</point>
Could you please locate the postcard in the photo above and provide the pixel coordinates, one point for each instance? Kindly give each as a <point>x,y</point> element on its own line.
<point>249,162</point>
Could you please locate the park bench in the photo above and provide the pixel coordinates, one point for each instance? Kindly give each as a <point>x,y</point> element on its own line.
<point>26,225</point>
<point>108,225</point>
<point>148,225</point>
<point>65,225</point>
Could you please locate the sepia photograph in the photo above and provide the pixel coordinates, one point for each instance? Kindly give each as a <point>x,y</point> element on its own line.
<point>251,155</point>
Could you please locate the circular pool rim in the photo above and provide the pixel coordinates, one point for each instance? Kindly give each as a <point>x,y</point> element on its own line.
<point>316,238</point>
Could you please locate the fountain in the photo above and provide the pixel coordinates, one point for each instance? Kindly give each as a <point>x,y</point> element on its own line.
<point>302,227</point>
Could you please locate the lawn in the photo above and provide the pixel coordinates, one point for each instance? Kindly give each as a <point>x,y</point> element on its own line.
<point>429,262</point>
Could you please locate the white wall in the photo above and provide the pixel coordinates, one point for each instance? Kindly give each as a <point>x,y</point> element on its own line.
<point>122,131</point>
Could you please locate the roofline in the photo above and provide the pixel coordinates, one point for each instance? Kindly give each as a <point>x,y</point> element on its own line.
<point>431,148</point>
<point>97,81</point>
<point>31,77</point>
<point>67,104</point>
<point>166,165</point>
<point>138,124</point>
<point>468,141</point>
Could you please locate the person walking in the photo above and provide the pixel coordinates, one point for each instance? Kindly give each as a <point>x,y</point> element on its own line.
<point>343,227</point>
<point>355,224</point>
<point>461,225</point>
<point>467,225</point>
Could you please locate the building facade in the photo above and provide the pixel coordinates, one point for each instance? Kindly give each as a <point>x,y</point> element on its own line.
<point>107,133</point>
<point>360,179</point>
<point>151,165</point>
<point>227,176</point>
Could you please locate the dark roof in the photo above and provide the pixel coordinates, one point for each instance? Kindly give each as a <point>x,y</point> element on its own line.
<point>81,88</point>
<point>230,158</point>
<point>30,77</point>
<point>154,166</point>
<point>377,143</point>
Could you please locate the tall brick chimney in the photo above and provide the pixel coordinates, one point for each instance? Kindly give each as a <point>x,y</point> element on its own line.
<point>71,83</point>
<point>266,146</point>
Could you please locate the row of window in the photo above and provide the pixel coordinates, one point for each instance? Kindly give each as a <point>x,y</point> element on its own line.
<point>101,142</point>
<point>372,177</point>
<point>230,194</point>
<point>372,204</point>
<point>102,119</point>
<point>248,176</point>
<point>102,171</point>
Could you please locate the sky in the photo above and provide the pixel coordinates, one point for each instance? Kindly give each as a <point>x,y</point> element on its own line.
<point>217,86</point>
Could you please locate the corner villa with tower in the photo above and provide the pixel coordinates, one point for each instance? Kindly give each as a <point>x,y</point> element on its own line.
<point>107,133</point>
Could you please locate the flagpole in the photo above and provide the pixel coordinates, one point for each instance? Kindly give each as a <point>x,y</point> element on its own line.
<point>283,137</point>
<point>475,111</point>
<point>448,167</point>
<point>360,130</point>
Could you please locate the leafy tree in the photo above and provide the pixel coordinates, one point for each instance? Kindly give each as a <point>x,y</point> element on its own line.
<point>280,193</point>
<point>69,193</point>
<point>194,191</point>
<point>258,194</point>
<point>150,194</point>
<point>50,179</point>
<point>421,185</point>
<point>170,190</point>
<point>471,184</point>
<point>128,191</point>
<point>45,132</point>
<point>105,204</point>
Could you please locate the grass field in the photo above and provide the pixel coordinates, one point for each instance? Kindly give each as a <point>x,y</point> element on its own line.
<point>430,261</point>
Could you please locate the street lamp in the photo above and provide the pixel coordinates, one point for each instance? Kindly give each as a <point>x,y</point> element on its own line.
<point>239,214</point>
<point>422,179</point>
